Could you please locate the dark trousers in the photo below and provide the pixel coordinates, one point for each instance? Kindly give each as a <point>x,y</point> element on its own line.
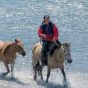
<point>45,49</point>
<point>46,45</point>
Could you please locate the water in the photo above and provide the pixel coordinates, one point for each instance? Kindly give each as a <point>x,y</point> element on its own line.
<point>21,18</point>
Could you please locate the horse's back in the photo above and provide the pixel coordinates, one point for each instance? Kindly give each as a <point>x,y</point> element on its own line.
<point>3,45</point>
<point>36,53</point>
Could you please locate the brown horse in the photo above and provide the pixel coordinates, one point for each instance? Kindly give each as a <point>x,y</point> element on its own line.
<point>8,52</point>
<point>54,61</point>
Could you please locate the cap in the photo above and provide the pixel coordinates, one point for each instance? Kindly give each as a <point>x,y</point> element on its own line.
<point>46,16</point>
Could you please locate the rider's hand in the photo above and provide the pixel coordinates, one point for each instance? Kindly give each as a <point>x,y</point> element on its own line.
<point>54,40</point>
<point>43,35</point>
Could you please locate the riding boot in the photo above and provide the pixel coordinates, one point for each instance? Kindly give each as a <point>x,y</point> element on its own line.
<point>44,58</point>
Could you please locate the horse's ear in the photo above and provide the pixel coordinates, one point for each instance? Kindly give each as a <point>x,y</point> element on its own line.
<point>16,40</point>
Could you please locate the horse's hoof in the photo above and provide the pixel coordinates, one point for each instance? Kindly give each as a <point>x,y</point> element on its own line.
<point>4,74</point>
<point>12,78</point>
<point>46,81</point>
<point>42,79</point>
<point>34,77</point>
<point>65,84</point>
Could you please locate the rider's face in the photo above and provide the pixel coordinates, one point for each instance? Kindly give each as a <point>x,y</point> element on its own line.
<point>47,19</point>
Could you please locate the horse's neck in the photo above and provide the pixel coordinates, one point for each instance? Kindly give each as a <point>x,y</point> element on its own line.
<point>57,59</point>
<point>59,52</point>
<point>10,49</point>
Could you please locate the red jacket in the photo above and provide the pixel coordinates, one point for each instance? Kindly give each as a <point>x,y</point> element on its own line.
<point>49,37</point>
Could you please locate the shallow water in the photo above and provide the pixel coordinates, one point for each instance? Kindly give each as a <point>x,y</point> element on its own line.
<point>21,18</point>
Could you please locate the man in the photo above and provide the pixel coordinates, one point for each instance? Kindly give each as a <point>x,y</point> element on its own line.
<point>48,32</point>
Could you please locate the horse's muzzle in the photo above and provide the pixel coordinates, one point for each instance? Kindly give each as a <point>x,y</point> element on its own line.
<point>23,53</point>
<point>70,61</point>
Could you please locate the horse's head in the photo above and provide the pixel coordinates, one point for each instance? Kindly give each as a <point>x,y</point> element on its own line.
<point>67,52</point>
<point>19,47</point>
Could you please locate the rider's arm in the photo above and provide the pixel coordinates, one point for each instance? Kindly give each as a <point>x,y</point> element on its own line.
<point>40,33</point>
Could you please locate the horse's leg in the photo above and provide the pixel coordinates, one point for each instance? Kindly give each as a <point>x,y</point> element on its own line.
<point>7,67</point>
<point>35,73</point>
<point>12,69</point>
<point>48,74</point>
<point>63,72</point>
<point>64,75</point>
<point>41,68</point>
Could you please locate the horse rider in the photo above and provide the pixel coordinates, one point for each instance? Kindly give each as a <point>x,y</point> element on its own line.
<point>48,33</point>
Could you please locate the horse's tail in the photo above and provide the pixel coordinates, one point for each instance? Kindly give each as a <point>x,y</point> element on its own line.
<point>33,49</point>
<point>36,54</point>
<point>38,67</point>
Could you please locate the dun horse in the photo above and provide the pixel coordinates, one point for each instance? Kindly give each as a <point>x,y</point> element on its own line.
<point>54,61</point>
<point>8,52</point>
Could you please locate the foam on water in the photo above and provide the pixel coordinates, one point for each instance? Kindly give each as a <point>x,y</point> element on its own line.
<point>24,79</point>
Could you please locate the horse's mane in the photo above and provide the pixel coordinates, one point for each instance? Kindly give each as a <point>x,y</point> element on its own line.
<point>56,47</point>
<point>53,48</point>
<point>7,48</point>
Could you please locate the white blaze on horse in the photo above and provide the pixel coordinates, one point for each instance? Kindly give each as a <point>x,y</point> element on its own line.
<point>54,61</point>
<point>8,52</point>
